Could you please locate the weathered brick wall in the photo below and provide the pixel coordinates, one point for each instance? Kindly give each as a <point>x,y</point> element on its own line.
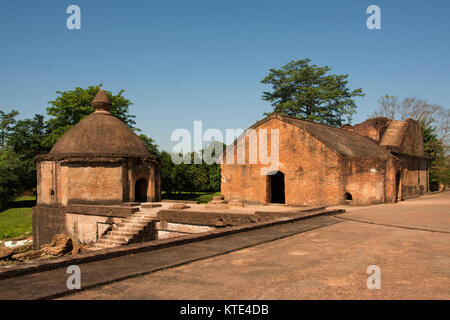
<point>95,184</point>
<point>373,128</point>
<point>88,228</point>
<point>46,187</point>
<point>364,180</point>
<point>412,143</point>
<point>414,175</point>
<point>47,221</point>
<point>312,173</point>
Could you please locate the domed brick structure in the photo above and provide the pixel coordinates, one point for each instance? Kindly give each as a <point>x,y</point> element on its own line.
<point>93,176</point>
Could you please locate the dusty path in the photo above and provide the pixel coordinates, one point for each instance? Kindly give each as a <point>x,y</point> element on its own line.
<point>409,241</point>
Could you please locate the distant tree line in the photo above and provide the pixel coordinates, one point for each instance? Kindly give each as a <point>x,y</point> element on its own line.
<point>189,176</point>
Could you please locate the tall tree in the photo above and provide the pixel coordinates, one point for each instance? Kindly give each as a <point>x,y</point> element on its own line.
<point>306,91</point>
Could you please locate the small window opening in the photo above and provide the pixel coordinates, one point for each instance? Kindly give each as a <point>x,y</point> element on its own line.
<point>348,196</point>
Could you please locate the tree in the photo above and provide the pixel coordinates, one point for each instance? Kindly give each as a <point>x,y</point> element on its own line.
<point>7,121</point>
<point>74,105</point>
<point>307,92</point>
<point>22,140</point>
<point>214,150</point>
<point>204,176</point>
<point>167,173</point>
<point>150,144</point>
<point>434,121</point>
<point>10,185</point>
<point>26,141</point>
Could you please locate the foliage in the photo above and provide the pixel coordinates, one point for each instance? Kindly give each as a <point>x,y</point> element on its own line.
<point>22,140</point>
<point>152,147</point>
<point>7,122</point>
<point>10,185</point>
<point>26,141</point>
<point>194,176</point>
<point>307,92</point>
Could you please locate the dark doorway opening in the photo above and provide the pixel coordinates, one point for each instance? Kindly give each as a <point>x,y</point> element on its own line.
<point>277,187</point>
<point>398,194</point>
<point>140,190</point>
<point>348,196</point>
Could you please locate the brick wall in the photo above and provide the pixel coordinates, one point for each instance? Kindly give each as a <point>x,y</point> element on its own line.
<point>314,173</point>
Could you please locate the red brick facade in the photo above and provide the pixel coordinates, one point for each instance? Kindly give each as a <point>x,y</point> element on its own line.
<point>321,166</point>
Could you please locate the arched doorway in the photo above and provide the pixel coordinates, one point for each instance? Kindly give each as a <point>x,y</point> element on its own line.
<point>140,190</point>
<point>277,188</point>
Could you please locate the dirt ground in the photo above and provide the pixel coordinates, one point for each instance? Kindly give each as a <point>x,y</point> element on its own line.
<point>408,241</point>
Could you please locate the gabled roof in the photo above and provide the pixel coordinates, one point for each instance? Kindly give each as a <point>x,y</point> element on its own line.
<point>343,142</point>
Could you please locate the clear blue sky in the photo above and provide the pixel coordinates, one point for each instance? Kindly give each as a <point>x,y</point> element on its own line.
<point>181,61</point>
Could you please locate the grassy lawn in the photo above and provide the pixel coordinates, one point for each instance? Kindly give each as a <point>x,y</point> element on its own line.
<point>203,197</point>
<point>17,219</point>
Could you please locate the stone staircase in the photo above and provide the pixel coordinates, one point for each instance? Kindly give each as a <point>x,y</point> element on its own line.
<point>138,227</point>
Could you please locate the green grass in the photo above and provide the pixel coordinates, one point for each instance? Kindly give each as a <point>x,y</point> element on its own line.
<point>203,197</point>
<point>17,220</point>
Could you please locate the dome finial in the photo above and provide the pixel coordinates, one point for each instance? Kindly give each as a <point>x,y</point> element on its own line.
<point>101,101</point>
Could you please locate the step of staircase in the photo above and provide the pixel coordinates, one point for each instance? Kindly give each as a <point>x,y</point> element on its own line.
<point>129,230</point>
<point>186,228</point>
<point>109,241</point>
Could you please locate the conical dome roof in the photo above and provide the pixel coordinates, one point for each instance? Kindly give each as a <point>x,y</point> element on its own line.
<point>100,134</point>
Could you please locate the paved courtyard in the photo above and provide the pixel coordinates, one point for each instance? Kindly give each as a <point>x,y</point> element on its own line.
<point>409,241</point>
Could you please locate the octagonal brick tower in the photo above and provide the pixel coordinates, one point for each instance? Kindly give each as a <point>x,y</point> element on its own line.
<point>99,162</point>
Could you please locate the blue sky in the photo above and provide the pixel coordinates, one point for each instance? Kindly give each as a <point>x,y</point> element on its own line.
<point>181,61</point>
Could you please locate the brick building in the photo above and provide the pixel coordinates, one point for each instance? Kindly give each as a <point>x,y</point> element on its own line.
<point>377,161</point>
<point>92,176</point>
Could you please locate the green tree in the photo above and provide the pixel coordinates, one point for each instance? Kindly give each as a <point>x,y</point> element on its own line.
<point>10,184</point>
<point>72,106</point>
<point>306,91</point>
<point>26,141</point>
<point>435,150</point>
<point>152,147</point>
<point>168,183</point>
<point>7,122</point>
<point>213,150</point>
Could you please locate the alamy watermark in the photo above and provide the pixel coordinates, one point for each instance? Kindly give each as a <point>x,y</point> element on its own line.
<point>74,280</point>
<point>374,281</point>
<point>237,140</point>
<point>73,22</point>
<point>373,22</point>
